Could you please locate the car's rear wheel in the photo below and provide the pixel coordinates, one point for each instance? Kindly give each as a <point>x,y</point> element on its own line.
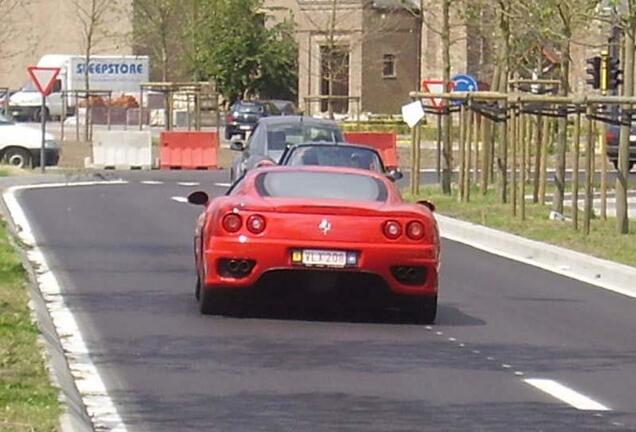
<point>630,165</point>
<point>421,310</point>
<point>213,301</point>
<point>197,288</point>
<point>228,133</point>
<point>36,115</point>
<point>17,157</point>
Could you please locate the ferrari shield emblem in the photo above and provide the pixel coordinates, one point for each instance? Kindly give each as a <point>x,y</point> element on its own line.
<point>325,226</point>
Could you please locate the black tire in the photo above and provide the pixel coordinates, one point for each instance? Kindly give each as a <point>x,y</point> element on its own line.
<point>197,288</point>
<point>213,302</point>
<point>421,310</point>
<point>18,157</point>
<point>228,134</point>
<point>36,115</point>
<point>630,166</point>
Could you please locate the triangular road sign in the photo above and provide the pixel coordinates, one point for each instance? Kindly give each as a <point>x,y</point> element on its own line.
<point>437,86</point>
<point>43,78</point>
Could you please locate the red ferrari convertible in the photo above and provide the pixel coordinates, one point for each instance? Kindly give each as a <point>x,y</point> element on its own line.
<point>320,227</point>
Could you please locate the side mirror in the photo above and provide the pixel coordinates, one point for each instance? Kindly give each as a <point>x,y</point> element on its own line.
<point>429,205</point>
<point>395,174</point>
<point>237,146</point>
<point>198,198</point>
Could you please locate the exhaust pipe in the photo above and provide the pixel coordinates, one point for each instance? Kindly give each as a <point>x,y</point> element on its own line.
<point>233,266</point>
<point>244,266</point>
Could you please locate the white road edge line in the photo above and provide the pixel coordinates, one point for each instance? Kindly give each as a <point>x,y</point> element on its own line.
<point>223,184</point>
<point>567,395</point>
<point>90,385</point>
<point>151,182</point>
<point>188,183</point>
<point>180,199</point>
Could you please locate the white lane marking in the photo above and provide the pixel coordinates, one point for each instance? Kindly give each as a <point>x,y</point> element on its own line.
<point>90,385</point>
<point>567,395</point>
<point>188,183</point>
<point>151,182</point>
<point>223,184</point>
<point>179,199</point>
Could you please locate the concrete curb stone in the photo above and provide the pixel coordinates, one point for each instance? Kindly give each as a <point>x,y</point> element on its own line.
<point>602,273</point>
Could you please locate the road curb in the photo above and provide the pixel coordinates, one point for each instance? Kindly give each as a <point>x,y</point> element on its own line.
<point>602,273</point>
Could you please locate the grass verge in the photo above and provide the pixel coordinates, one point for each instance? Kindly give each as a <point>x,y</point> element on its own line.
<point>603,241</point>
<point>28,401</point>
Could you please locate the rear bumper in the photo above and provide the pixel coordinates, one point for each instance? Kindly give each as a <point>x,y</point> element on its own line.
<point>275,256</point>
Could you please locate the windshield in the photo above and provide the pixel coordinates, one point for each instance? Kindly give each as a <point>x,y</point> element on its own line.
<point>5,120</point>
<point>321,185</point>
<point>281,135</point>
<point>29,87</point>
<point>340,156</point>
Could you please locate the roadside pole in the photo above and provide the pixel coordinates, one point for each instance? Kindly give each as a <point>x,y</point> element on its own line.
<point>43,146</point>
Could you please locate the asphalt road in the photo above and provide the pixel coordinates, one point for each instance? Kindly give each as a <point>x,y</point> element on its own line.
<point>123,255</point>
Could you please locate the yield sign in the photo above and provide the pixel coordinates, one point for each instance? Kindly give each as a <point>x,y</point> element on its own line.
<point>437,86</point>
<point>43,78</point>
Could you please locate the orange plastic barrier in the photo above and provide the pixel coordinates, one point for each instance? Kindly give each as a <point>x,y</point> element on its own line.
<point>189,150</point>
<point>383,142</point>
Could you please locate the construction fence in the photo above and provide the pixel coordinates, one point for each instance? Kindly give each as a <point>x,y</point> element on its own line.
<point>504,141</point>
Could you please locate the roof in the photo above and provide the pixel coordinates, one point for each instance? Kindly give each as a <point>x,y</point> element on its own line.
<point>275,120</point>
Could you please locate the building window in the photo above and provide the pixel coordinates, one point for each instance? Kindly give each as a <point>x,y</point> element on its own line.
<point>388,66</point>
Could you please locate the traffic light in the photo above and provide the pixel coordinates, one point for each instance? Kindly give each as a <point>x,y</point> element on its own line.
<point>594,70</point>
<point>614,73</point>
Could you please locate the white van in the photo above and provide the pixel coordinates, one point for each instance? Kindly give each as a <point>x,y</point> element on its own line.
<point>20,145</point>
<point>119,74</point>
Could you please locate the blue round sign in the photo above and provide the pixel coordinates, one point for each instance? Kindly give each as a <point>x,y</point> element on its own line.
<point>464,83</point>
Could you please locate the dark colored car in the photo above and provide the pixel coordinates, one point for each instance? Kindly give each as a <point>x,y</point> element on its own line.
<point>244,115</point>
<point>613,134</point>
<point>274,134</point>
<point>285,107</point>
<point>337,155</point>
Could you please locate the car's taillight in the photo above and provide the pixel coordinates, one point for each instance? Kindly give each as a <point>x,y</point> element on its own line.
<point>256,224</point>
<point>415,230</point>
<point>611,136</point>
<point>232,222</point>
<point>392,229</point>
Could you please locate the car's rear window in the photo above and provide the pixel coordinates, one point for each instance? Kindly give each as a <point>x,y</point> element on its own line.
<point>321,185</point>
<point>299,133</point>
<point>248,108</point>
<point>341,156</point>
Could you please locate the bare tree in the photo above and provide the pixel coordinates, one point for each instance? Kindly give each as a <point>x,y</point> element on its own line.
<point>93,17</point>
<point>156,27</point>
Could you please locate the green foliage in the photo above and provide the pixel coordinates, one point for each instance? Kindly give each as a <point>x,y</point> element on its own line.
<point>245,57</point>
<point>28,401</point>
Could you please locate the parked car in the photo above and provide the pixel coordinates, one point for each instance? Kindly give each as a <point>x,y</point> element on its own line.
<point>244,115</point>
<point>613,136</point>
<point>339,155</point>
<point>274,134</point>
<point>20,145</point>
<point>285,107</point>
<point>342,230</point>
